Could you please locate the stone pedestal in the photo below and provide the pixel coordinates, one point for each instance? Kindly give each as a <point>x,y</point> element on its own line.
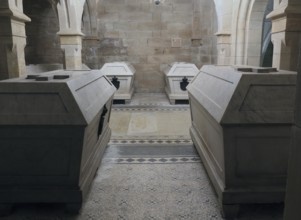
<point>72,46</point>
<point>12,39</point>
<point>286,32</point>
<point>177,77</point>
<point>54,128</point>
<point>241,127</point>
<point>223,48</point>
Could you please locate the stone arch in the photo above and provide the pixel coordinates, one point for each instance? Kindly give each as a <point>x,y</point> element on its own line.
<point>70,15</point>
<point>254,33</point>
<point>247,26</point>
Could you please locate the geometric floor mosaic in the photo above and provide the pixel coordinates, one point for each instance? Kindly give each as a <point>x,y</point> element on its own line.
<point>172,186</point>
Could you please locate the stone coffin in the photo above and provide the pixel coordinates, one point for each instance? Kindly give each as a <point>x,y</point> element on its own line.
<point>241,127</point>
<point>53,133</point>
<point>121,75</point>
<point>177,77</point>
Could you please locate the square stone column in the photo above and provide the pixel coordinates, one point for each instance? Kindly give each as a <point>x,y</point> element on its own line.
<point>12,39</point>
<point>286,33</point>
<point>223,48</point>
<point>72,46</point>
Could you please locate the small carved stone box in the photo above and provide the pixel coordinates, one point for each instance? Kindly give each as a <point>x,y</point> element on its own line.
<point>121,74</point>
<point>241,127</point>
<point>53,133</point>
<point>177,77</point>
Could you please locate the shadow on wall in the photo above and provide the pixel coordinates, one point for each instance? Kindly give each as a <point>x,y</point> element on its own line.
<point>43,44</point>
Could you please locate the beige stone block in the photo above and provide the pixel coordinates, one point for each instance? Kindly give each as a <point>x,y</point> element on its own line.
<point>73,63</point>
<point>125,26</point>
<point>149,79</point>
<point>115,2</point>
<point>160,59</point>
<point>109,7</point>
<point>145,7</point>
<point>18,28</point>
<point>176,17</point>
<point>183,7</point>
<point>108,17</point>
<point>180,26</point>
<point>137,16</point>
<point>138,34</point>
<point>152,26</point>
<point>137,59</point>
<point>111,34</point>
<point>183,58</point>
<point>156,34</point>
<point>186,43</point>
<point>70,40</point>
<point>144,50</point>
<point>279,25</point>
<point>253,61</point>
<point>186,33</point>
<point>158,42</point>
<point>177,51</point>
<point>109,26</point>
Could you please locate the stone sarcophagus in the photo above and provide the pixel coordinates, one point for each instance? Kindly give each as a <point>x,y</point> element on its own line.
<point>241,127</point>
<point>177,77</point>
<point>121,75</point>
<point>53,133</point>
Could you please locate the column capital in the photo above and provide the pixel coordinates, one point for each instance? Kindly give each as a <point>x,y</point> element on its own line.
<point>14,10</point>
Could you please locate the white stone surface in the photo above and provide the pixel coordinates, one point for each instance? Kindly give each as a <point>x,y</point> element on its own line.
<point>175,74</point>
<point>124,72</point>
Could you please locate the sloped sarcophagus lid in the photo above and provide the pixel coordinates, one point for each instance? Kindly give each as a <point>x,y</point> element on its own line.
<point>53,133</point>
<point>241,127</point>
<point>178,75</point>
<point>121,74</point>
<point>235,95</point>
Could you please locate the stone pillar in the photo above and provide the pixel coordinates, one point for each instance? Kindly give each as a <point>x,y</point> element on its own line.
<point>72,46</point>
<point>286,31</point>
<point>70,14</point>
<point>12,39</point>
<point>224,17</point>
<point>293,190</point>
<point>223,48</point>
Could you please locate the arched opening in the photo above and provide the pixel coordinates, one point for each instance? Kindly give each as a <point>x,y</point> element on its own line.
<point>267,45</point>
<point>255,20</point>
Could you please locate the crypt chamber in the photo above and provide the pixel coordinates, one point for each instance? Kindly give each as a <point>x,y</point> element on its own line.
<point>150,109</point>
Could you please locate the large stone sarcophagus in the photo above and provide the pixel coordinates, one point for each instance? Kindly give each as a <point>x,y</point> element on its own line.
<point>241,127</point>
<point>53,133</point>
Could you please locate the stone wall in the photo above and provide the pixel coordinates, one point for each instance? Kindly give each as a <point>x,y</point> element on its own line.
<point>43,44</point>
<point>150,36</point>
